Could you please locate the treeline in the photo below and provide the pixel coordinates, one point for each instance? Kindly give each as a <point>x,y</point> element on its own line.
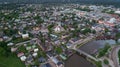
<point>98,2</point>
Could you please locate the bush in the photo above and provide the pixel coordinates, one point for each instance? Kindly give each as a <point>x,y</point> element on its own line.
<point>106,61</point>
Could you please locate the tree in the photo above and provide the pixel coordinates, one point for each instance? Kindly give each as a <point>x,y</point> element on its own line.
<point>10,32</point>
<point>86,30</point>
<point>106,30</point>
<point>58,50</point>
<point>103,51</point>
<point>106,61</point>
<point>39,19</point>
<point>4,50</point>
<point>117,35</point>
<point>94,32</point>
<point>50,27</point>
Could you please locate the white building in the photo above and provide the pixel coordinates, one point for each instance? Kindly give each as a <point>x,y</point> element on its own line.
<point>118,12</point>
<point>25,35</point>
<point>59,28</point>
<point>23,58</point>
<point>112,20</point>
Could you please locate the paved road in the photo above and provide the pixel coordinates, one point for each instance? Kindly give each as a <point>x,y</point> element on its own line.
<point>26,41</point>
<point>111,64</point>
<point>114,55</point>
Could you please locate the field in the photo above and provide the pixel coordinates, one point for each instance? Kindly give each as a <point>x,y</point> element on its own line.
<point>11,61</point>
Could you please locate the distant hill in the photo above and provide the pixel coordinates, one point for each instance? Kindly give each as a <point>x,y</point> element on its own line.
<point>114,2</point>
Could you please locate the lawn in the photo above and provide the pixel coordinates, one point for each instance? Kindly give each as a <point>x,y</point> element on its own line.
<point>11,61</point>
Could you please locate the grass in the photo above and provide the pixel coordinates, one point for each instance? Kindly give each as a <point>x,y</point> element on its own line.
<point>11,61</point>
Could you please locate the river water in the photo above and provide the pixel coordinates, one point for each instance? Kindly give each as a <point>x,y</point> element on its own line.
<point>77,61</point>
<point>91,48</point>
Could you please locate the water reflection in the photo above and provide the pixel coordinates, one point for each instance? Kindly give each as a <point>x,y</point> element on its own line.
<point>78,61</point>
<point>94,46</point>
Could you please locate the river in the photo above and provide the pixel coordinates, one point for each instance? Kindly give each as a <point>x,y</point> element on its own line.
<point>93,47</point>
<point>77,61</point>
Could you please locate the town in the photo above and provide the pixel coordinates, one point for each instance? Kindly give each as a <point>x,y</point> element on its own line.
<point>40,35</point>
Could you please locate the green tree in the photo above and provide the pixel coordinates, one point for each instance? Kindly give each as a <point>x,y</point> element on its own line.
<point>106,61</point>
<point>4,50</point>
<point>50,27</point>
<point>10,32</point>
<point>117,35</point>
<point>39,19</point>
<point>86,30</point>
<point>58,50</point>
<point>103,51</point>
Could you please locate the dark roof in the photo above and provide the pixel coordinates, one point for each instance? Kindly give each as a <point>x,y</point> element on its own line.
<point>49,53</point>
<point>41,59</point>
<point>59,63</point>
<point>46,65</point>
<point>29,58</point>
<point>75,39</point>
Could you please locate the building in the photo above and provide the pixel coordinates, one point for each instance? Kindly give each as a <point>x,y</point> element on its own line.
<point>25,35</point>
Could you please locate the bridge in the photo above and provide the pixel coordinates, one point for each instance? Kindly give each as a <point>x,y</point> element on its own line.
<point>75,46</point>
<point>86,54</point>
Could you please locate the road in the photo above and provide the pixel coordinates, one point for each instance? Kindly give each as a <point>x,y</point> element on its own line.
<point>25,42</point>
<point>114,55</point>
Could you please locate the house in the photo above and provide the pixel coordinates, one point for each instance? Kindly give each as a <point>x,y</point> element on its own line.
<point>34,54</point>
<point>60,64</point>
<point>117,12</point>
<point>28,48</point>
<point>1,39</point>
<point>36,50</point>
<point>118,40</point>
<point>20,54</point>
<point>13,49</point>
<point>25,36</point>
<point>55,60</point>
<point>29,59</point>
<point>10,44</point>
<point>23,58</point>
<point>46,65</point>
<point>41,59</point>
<point>62,56</point>
<point>58,28</point>
<point>68,45</point>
